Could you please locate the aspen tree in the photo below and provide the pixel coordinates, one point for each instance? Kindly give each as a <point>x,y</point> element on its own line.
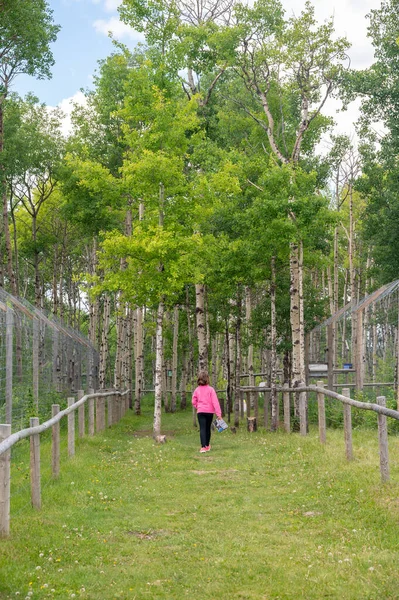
<point>299,56</point>
<point>25,50</point>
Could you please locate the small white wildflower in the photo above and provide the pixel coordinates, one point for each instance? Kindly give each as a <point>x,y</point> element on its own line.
<point>45,585</point>
<point>41,554</point>
<point>340,562</point>
<point>371,569</point>
<point>38,568</point>
<point>59,570</point>
<point>50,558</point>
<point>354,530</point>
<point>72,483</point>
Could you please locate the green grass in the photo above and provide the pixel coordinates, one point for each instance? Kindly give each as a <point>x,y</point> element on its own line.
<point>262,516</point>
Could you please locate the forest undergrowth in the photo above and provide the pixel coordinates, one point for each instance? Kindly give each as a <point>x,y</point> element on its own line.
<point>261,516</point>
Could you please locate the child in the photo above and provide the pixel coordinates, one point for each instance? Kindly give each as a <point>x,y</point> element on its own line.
<point>206,402</point>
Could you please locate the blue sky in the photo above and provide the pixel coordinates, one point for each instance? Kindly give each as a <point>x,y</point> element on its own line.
<point>83,40</point>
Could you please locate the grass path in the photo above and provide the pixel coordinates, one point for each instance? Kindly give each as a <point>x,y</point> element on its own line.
<point>262,516</point>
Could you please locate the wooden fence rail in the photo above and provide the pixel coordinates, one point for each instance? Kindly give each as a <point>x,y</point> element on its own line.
<point>379,408</point>
<point>117,406</point>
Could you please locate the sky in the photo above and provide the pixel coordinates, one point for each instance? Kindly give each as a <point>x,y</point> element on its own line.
<point>83,41</point>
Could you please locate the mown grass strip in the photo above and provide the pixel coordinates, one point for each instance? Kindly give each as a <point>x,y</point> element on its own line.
<point>261,516</point>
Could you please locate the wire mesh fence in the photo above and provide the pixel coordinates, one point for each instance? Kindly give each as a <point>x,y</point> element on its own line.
<point>359,344</point>
<point>41,362</point>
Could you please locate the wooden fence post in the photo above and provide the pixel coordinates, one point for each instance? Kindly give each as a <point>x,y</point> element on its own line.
<point>383,441</point>
<point>252,424</point>
<point>122,406</point>
<point>5,474</point>
<point>55,442</point>
<point>91,412</point>
<point>303,426</point>
<point>102,419</point>
<point>322,413</point>
<point>81,415</point>
<point>71,429</point>
<point>110,410</point>
<point>9,360</point>
<point>348,426</point>
<point>248,401</point>
<point>35,466</point>
<point>98,413</point>
<point>286,405</point>
<point>255,400</point>
<point>266,402</point>
<point>117,401</point>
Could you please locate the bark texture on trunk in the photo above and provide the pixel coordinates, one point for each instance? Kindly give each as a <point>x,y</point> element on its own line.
<point>139,349</point>
<point>250,357</point>
<point>273,354</point>
<point>173,401</point>
<point>158,370</point>
<point>104,349</point>
<point>201,327</point>
<point>296,312</point>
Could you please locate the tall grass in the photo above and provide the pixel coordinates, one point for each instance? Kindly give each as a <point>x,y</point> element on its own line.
<point>262,516</point>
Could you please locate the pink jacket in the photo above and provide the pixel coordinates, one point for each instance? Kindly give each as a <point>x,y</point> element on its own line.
<point>205,400</point>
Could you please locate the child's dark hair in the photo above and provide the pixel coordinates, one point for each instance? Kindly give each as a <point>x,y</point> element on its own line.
<point>203,378</point>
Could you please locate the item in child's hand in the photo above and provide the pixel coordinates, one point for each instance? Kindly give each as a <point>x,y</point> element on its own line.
<point>220,425</point>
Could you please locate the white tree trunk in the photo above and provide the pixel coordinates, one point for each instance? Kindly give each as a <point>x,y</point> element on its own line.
<point>94,304</point>
<point>273,354</point>
<point>128,360</point>
<point>231,362</point>
<point>250,358</point>
<point>138,359</point>
<point>158,370</point>
<point>201,328</point>
<point>183,381</point>
<point>238,404</point>
<point>190,364</point>
<point>214,346</point>
<point>174,358</point>
<point>104,349</point>
<point>295,314</point>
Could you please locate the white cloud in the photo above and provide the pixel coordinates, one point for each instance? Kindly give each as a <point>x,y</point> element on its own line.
<point>118,29</point>
<point>350,21</point>
<point>112,5</point>
<point>66,106</point>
